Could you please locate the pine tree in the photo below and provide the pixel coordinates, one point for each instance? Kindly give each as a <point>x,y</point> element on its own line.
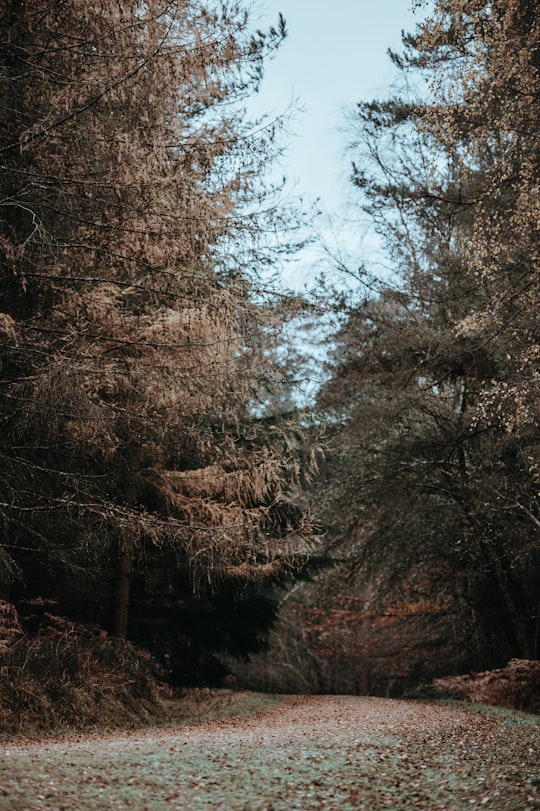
<point>132,237</point>
<point>433,390</point>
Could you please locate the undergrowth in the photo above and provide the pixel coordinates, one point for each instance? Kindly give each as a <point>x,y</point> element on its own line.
<point>516,686</point>
<point>57,677</point>
<point>56,674</point>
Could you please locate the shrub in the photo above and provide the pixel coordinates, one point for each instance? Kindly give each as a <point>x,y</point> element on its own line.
<point>516,686</point>
<point>57,674</point>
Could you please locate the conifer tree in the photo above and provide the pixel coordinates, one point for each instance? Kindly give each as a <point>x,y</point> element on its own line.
<point>433,397</point>
<point>133,329</point>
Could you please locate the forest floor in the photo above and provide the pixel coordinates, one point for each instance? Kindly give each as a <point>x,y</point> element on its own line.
<point>317,752</point>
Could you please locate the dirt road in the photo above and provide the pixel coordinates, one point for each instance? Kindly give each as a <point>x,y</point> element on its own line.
<point>307,753</point>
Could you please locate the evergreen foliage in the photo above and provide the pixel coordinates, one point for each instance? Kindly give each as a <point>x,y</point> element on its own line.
<point>429,493</point>
<point>432,400</point>
<point>135,337</point>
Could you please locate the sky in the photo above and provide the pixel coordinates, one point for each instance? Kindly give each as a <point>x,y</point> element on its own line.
<point>334,56</point>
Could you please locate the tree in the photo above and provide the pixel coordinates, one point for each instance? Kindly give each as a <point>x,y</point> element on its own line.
<point>132,237</point>
<point>485,109</point>
<point>428,496</point>
<point>431,402</point>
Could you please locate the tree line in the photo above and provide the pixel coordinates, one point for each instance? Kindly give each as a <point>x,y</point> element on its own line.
<point>428,497</point>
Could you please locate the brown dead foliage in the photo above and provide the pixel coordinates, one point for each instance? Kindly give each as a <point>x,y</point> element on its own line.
<point>56,674</point>
<point>516,686</point>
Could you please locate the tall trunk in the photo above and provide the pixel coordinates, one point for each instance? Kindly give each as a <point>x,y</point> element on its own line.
<point>515,626</point>
<point>121,614</point>
<point>494,561</point>
<point>16,222</point>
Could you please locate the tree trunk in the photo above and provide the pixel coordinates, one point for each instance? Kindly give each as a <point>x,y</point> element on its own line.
<point>121,616</point>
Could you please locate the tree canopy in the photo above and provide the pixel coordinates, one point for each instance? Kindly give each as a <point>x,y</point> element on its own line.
<point>136,229</point>
<point>428,496</point>
<point>435,384</point>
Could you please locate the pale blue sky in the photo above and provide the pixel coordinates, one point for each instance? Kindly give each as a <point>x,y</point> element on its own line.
<point>334,56</point>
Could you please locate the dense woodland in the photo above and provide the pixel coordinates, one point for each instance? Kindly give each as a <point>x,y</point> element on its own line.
<point>168,506</point>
